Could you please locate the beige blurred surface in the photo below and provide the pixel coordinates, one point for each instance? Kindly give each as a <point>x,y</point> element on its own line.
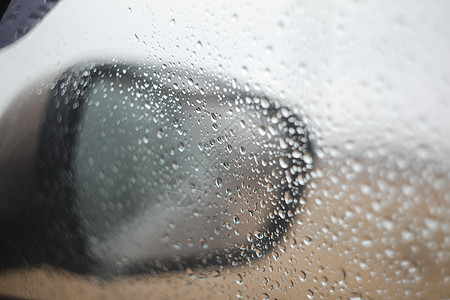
<point>369,235</point>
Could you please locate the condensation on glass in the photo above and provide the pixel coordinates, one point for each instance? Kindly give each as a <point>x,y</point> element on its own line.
<point>367,82</point>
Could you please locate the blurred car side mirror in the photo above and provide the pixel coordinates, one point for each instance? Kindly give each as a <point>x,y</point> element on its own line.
<point>131,169</point>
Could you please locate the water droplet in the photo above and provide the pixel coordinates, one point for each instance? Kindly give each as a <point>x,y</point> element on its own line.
<point>307,157</point>
<point>239,280</point>
<point>265,103</point>
<point>234,83</point>
<point>258,253</point>
<point>275,255</point>
<point>203,243</point>
<point>189,272</point>
<point>283,162</point>
<point>219,182</point>
<point>262,130</point>
<point>242,150</point>
<point>181,147</point>
<point>302,276</point>
<point>288,197</point>
<point>258,234</point>
<point>172,22</point>
<point>296,154</point>
<point>367,243</point>
<point>249,237</point>
<point>160,133</point>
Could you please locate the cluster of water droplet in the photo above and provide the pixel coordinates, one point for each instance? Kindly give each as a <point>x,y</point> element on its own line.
<point>203,169</point>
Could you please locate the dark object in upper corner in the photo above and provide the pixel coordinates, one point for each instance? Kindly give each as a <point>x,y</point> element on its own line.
<point>18,17</point>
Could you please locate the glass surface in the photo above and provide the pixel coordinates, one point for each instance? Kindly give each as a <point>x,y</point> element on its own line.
<point>165,174</point>
<point>371,80</point>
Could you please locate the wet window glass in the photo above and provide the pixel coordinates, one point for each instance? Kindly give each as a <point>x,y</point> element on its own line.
<point>256,149</point>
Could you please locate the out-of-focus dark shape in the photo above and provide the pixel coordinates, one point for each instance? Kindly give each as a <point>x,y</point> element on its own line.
<point>20,16</point>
